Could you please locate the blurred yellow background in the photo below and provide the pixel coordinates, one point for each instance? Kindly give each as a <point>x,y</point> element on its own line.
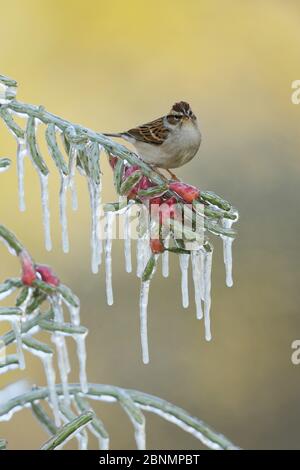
<point>111,65</point>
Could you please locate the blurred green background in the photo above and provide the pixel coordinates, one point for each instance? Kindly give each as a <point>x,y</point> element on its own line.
<point>111,65</point>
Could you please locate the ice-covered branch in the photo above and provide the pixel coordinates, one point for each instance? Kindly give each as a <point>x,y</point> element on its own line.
<point>140,400</point>
<point>38,287</point>
<point>173,217</point>
<point>68,431</point>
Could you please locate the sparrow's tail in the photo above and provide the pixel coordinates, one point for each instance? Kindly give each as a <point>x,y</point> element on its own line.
<point>114,135</point>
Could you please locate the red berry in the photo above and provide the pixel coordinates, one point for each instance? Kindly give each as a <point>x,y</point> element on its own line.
<point>156,246</point>
<point>187,192</point>
<point>112,161</point>
<point>28,269</point>
<point>47,275</point>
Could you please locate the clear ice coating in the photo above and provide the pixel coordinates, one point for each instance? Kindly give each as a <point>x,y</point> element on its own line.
<point>21,153</point>
<point>183,425</point>
<point>3,90</point>
<point>108,229</point>
<point>144,295</point>
<point>207,295</point>
<point>13,390</point>
<point>63,212</point>
<point>7,93</point>
<point>197,279</point>
<point>227,253</point>
<point>184,266</point>
<point>46,211</point>
<point>6,293</point>
<point>24,305</point>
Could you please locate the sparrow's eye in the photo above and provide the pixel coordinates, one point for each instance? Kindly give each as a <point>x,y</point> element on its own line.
<point>177,117</point>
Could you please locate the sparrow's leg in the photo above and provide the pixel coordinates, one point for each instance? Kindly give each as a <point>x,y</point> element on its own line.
<point>173,176</point>
<point>156,169</point>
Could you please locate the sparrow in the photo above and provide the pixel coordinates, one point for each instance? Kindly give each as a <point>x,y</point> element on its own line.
<point>167,142</point>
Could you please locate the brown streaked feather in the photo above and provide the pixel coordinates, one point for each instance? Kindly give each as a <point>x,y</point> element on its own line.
<point>153,132</point>
<point>181,107</point>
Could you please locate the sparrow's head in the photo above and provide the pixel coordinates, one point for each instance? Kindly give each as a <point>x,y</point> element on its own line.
<point>181,112</point>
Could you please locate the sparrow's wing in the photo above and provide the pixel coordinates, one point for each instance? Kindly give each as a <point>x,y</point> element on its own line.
<point>153,132</point>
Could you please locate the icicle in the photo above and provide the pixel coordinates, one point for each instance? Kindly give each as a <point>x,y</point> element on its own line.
<point>165,259</point>
<point>50,375</point>
<point>61,347</point>
<point>127,240</point>
<point>98,204</point>
<point>74,198</point>
<point>63,212</point>
<point>16,326</point>
<point>184,266</point>
<point>56,302</point>
<point>103,443</point>
<point>83,440</point>
<point>227,253</point>
<point>136,417</point>
<point>96,241</point>
<point>81,355</point>
<point>46,211</point>
<point>57,308</point>
<point>146,252</point>
<point>58,340</point>
<point>139,257</point>
<point>96,426</point>
<point>21,153</point>
<point>94,263</point>
<point>71,177</point>
<point>140,436</point>
<point>144,295</point>
<point>74,314</point>
<point>197,272</point>
<point>202,261</point>
<point>207,297</point>
<point>108,246</point>
<point>66,356</point>
<point>143,252</point>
